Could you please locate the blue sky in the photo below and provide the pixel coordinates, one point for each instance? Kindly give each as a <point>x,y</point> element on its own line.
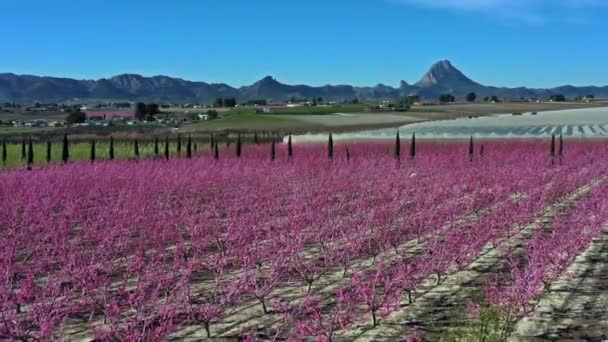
<point>537,43</point>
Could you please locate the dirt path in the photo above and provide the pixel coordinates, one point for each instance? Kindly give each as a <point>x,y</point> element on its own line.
<point>435,306</point>
<point>575,307</point>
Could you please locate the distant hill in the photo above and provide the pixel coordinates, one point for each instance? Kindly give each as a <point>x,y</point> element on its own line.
<point>441,78</point>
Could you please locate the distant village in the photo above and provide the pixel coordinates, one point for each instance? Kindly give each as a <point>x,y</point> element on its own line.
<point>102,115</point>
<point>176,115</point>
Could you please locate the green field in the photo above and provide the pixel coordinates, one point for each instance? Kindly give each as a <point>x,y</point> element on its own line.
<point>10,130</point>
<point>321,110</point>
<point>243,120</point>
<point>247,118</point>
<point>82,151</point>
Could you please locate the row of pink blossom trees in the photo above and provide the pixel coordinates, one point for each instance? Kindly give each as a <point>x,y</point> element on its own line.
<point>139,251</point>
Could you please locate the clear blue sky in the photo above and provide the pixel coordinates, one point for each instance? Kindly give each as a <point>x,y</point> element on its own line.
<point>536,43</point>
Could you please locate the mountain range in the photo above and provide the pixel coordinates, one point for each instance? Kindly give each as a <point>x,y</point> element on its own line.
<point>442,78</point>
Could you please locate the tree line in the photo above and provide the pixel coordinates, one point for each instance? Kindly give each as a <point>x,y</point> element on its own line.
<point>27,150</point>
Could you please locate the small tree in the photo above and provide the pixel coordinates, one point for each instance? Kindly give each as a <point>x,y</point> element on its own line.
<point>4,152</point>
<point>216,154</point>
<point>179,144</point>
<point>446,98</point>
<point>30,155</point>
<point>273,153</point>
<point>378,291</point>
<point>76,117</point>
<point>397,146</point>
<point>330,147</point>
<point>167,147</point>
<point>347,154</point>
<point>471,97</point>
<point>140,111</point>
<point>49,148</point>
<point>211,142</point>
<point>413,146</point>
<point>230,102</point>
<point>111,152</point>
<point>136,148</point>
<point>189,147</point>
<point>289,147</point>
<point>65,151</point>
<point>557,98</point>
<point>238,146</point>
<point>552,148</point>
<point>156,149</point>
<point>93,151</point>
<point>151,109</point>
<point>471,149</point>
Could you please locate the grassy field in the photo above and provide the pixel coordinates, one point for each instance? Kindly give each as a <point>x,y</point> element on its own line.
<point>321,110</point>
<point>247,120</point>
<point>9,130</point>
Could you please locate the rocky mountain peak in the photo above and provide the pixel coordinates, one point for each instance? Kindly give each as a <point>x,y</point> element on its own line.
<point>445,74</point>
<point>267,80</point>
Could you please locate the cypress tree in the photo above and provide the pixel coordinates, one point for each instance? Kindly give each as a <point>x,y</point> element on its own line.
<point>211,142</point>
<point>189,147</point>
<point>216,154</point>
<point>93,151</point>
<point>49,148</point>
<point>413,146</point>
<point>156,151</point>
<point>481,151</point>
<point>238,146</point>
<point>167,148</point>
<point>30,155</point>
<point>397,146</point>
<point>255,138</point>
<point>111,152</point>
<point>195,147</point>
<point>471,149</point>
<point>289,147</point>
<point>4,154</point>
<point>65,151</point>
<point>273,154</point>
<point>179,144</point>
<point>330,147</point>
<point>552,148</point>
<point>561,145</point>
<point>23,154</point>
<point>347,154</point>
<point>135,148</point>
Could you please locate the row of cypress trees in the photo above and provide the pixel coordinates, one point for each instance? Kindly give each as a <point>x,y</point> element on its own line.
<point>398,146</point>
<point>190,147</point>
<point>28,152</point>
<point>65,151</point>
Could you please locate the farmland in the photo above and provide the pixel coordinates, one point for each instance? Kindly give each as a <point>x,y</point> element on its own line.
<point>336,242</point>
